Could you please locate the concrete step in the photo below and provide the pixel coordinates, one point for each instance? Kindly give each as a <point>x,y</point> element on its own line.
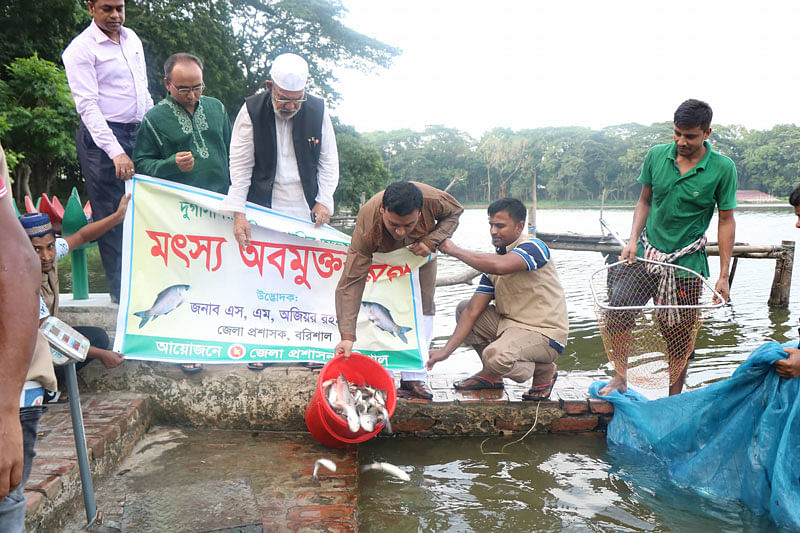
<point>113,421</point>
<point>275,399</point>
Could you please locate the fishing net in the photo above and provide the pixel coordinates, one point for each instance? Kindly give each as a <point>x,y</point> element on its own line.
<point>649,314</point>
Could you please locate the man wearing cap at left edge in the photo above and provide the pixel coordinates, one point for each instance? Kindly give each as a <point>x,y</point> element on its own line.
<point>107,76</point>
<point>283,153</point>
<point>50,250</point>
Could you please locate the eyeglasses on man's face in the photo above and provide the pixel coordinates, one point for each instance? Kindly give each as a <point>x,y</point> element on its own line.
<point>284,101</point>
<point>184,91</point>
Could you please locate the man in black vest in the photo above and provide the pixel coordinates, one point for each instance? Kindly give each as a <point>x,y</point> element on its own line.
<point>283,151</point>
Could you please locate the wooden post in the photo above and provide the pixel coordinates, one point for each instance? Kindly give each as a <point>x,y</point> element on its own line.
<point>532,208</point>
<point>782,282</point>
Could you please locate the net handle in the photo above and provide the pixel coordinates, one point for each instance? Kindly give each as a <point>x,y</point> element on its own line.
<point>721,301</point>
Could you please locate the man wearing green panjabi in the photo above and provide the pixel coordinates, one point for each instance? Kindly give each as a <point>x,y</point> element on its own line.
<point>185,138</point>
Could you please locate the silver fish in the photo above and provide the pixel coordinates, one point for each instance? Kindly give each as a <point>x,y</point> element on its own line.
<point>166,301</point>
<point>389,469</point>
<point>382,318</point>
<point>385,417</point>
<point>344,402</point>
<point>327,463</point>
<point>367,421</point>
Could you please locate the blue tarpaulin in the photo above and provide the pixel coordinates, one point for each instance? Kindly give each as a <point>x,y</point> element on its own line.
<point>734,439</point>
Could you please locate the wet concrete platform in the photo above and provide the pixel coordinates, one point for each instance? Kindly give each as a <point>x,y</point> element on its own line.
<point>265,476</point>
<point>113,424</point>
<point>199,480</point>
<point>233,397</point>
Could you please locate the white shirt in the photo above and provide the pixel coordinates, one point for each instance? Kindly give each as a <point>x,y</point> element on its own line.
<point>287,192</point>
<point>108,81</point>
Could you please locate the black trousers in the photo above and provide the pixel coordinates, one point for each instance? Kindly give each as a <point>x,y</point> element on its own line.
<point>97,338</point>
<point>105,191</point>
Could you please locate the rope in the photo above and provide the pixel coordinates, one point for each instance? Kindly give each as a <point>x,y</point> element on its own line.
<point>502,450</point>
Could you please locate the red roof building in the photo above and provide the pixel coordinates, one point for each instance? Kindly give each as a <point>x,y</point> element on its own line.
<point>755,197</point>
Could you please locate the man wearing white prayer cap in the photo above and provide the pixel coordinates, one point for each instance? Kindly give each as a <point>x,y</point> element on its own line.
<point>283,151</point>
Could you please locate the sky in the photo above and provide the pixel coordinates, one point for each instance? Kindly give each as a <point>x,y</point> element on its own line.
<point>528,64</point>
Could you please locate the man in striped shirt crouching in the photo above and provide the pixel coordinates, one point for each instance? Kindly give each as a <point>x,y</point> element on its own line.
<point>523,332</point>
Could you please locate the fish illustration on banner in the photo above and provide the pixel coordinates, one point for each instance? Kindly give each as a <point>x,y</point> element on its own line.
<point>272,301</point>
<point>381,317</point>
<point>166,301</point>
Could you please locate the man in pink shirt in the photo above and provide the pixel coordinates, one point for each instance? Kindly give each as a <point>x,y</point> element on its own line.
<point>108,79</point>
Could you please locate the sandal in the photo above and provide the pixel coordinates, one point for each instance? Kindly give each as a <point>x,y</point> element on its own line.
<point>257,366</point>
<point>540,392</point>
<point>478,383</point>
<point>191,368</point>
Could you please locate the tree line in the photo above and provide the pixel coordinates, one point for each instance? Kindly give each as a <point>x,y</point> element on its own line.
<point>574,163</point>
<point>236,39</point>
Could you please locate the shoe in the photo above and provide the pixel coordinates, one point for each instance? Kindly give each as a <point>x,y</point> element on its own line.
<point>257,366</point>
<point>313,365</point>
<point>417,388</point>
<point>114,298</point>
<point>477,382</point>
<point>540,392</point>
<point>191,368</point>
<point>55,397</point>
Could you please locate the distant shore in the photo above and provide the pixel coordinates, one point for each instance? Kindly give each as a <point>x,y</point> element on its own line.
<point>595,204</point>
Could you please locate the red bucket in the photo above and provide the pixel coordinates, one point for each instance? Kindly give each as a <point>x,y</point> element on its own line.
<point>324,423</point>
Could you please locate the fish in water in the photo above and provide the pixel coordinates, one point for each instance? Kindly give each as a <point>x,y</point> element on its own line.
<point>382,318</point>
<point>166,301</point>
<point>327,463</point>
<point>389,468</point>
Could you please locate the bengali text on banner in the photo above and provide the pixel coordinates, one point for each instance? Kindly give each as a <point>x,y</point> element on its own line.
<point>191,294</point>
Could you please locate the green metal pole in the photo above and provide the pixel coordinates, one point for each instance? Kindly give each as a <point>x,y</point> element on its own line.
<point>80,275</point>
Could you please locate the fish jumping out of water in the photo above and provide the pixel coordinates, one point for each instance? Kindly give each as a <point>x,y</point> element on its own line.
<point>382,318</point>
<point>166,301</point>
<point>389,468</point>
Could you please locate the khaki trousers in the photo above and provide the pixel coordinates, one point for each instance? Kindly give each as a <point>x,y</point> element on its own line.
<point>516,354</point>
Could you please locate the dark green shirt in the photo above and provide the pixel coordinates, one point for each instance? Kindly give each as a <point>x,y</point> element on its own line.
<point>683,205</point>
<point>168,129</point>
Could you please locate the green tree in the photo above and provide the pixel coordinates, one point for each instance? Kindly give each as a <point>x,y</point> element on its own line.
<point>311,28</point>
<point>635,141</point>
<point>505,156</point>
<point>42,28</point>
<point>439,156</point>
<point>770,159</point>
<point>199,27</point>
<point>39,118</point>
<point>361,169</point>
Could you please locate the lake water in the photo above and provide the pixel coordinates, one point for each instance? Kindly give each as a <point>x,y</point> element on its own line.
<point>728,335</point>
<point>573,482</point>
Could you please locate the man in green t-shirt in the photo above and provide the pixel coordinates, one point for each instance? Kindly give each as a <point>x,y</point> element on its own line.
<point>682,183</point>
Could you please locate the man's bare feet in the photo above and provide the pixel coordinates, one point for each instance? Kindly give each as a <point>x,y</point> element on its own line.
<point>617,383</point>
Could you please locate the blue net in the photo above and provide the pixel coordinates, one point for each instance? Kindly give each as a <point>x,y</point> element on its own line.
<point>734,439</point>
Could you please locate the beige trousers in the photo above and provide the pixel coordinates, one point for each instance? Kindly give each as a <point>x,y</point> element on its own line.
<point>516,354</point>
